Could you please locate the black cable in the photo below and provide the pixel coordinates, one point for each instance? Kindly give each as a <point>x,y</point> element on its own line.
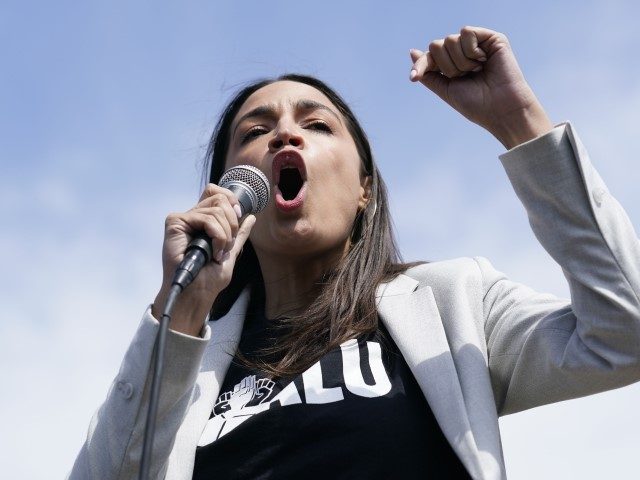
<point>158,361</point>
<point>198,253</point>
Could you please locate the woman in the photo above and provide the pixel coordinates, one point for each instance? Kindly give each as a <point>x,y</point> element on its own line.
<point>350,364</point>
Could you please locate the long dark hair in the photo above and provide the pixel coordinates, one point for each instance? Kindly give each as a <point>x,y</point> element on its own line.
<point>345,306</point>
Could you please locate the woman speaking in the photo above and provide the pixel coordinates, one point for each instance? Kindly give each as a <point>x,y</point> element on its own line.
<point>306,349</point>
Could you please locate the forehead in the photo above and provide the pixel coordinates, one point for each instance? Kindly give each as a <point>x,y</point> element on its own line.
<point>282,95</point>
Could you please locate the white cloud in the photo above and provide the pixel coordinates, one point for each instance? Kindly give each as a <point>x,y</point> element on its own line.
<point>69,311</point>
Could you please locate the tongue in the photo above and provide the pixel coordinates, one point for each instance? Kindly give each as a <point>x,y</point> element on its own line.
<point>290,183</point>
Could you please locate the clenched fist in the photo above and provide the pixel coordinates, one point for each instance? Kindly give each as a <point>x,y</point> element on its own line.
<point>476,73</point>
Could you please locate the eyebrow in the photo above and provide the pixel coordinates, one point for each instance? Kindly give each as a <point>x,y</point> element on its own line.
<point>271,111</point>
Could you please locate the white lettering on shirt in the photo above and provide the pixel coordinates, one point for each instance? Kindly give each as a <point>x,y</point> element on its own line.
<point>232,409</point>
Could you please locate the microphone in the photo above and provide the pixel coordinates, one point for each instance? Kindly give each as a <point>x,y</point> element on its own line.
<point>251,188</point>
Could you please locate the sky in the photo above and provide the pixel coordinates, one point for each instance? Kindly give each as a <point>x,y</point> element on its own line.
<point>107,108</point>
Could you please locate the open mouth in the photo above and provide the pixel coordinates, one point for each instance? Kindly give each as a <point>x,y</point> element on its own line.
<point>289,176</point>
<point>290,182</point>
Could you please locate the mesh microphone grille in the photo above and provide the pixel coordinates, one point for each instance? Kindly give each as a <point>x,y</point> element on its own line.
<point>253,178</point>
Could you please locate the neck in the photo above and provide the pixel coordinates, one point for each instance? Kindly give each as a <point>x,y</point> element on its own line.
<point>291,284</point>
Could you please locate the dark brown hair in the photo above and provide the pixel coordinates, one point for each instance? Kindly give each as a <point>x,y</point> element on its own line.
<point>345,306</point>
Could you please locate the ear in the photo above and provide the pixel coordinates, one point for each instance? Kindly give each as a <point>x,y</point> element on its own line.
<point>365,192</point>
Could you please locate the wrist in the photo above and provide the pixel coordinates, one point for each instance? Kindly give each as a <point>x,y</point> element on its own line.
<point>522,126</point>
<point>157,307</point>
<point>188,315</point>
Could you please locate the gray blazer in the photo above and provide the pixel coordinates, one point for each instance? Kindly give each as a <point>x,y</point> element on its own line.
<point>479,344</point>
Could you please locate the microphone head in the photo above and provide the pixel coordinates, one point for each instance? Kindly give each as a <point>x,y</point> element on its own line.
<point>250,185</point>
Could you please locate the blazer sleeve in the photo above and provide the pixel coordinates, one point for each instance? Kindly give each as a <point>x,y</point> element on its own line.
<point>543,349</point>
<point>113,447</point>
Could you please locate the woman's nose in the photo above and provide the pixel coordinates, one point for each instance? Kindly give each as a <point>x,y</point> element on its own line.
<point>284,137</point>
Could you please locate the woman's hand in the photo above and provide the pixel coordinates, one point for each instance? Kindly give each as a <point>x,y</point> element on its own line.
<point>217,214</point>
<point>476,73</point>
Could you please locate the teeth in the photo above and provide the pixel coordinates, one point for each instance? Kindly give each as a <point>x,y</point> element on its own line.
<point>289,167</point>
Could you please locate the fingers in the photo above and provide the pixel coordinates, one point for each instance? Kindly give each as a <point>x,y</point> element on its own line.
<point>212,189</point>
<point>220,203</point>
<point>422,63</point>
<point>209,222</point>
<point>426,71</point>
<point>219,218</point>
<point>455,56</point>
<point>470,44</point>
<point>242,236</point>
<point>443,59</point>
<point>483,35</point>
<point>216,214</point>
<point>463,64</point>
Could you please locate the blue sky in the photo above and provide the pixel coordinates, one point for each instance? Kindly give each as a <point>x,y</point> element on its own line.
<point>107,107</point>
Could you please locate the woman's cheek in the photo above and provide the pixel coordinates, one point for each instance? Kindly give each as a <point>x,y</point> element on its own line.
<point>343,211</point>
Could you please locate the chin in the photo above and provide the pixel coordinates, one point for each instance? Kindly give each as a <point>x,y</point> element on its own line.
<point>293,237</point>
<point>294,232</point>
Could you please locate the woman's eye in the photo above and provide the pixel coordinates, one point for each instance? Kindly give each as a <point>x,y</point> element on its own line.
<point>254,132</point>
<point>321,126</point>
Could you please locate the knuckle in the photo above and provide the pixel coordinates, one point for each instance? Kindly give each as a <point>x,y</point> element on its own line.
<point>232,199</point>
<point>217,211</point>
<point>221,198</point>
<point>221,221</point>
<point>450,39</point>
<point>170,219</point>
<point>216,231</point>
<point>466,30</point>
<point>436,45</point>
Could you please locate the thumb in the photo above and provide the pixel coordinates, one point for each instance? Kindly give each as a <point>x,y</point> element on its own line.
<point>242,236</point>
<point>422,63</point>
<point>415,54</point>
<point>437,83</point>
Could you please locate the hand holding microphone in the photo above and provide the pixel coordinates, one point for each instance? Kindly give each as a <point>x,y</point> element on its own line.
<point>210,235</point>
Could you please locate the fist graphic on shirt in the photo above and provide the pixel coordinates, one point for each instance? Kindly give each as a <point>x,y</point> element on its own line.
<point>243,393</point>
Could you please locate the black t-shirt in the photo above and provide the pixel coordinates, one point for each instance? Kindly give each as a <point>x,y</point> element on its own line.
<point>357,413</point>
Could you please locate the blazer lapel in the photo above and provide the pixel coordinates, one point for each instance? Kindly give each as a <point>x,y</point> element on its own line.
<point>225,336</point>
<point>410,313</point>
